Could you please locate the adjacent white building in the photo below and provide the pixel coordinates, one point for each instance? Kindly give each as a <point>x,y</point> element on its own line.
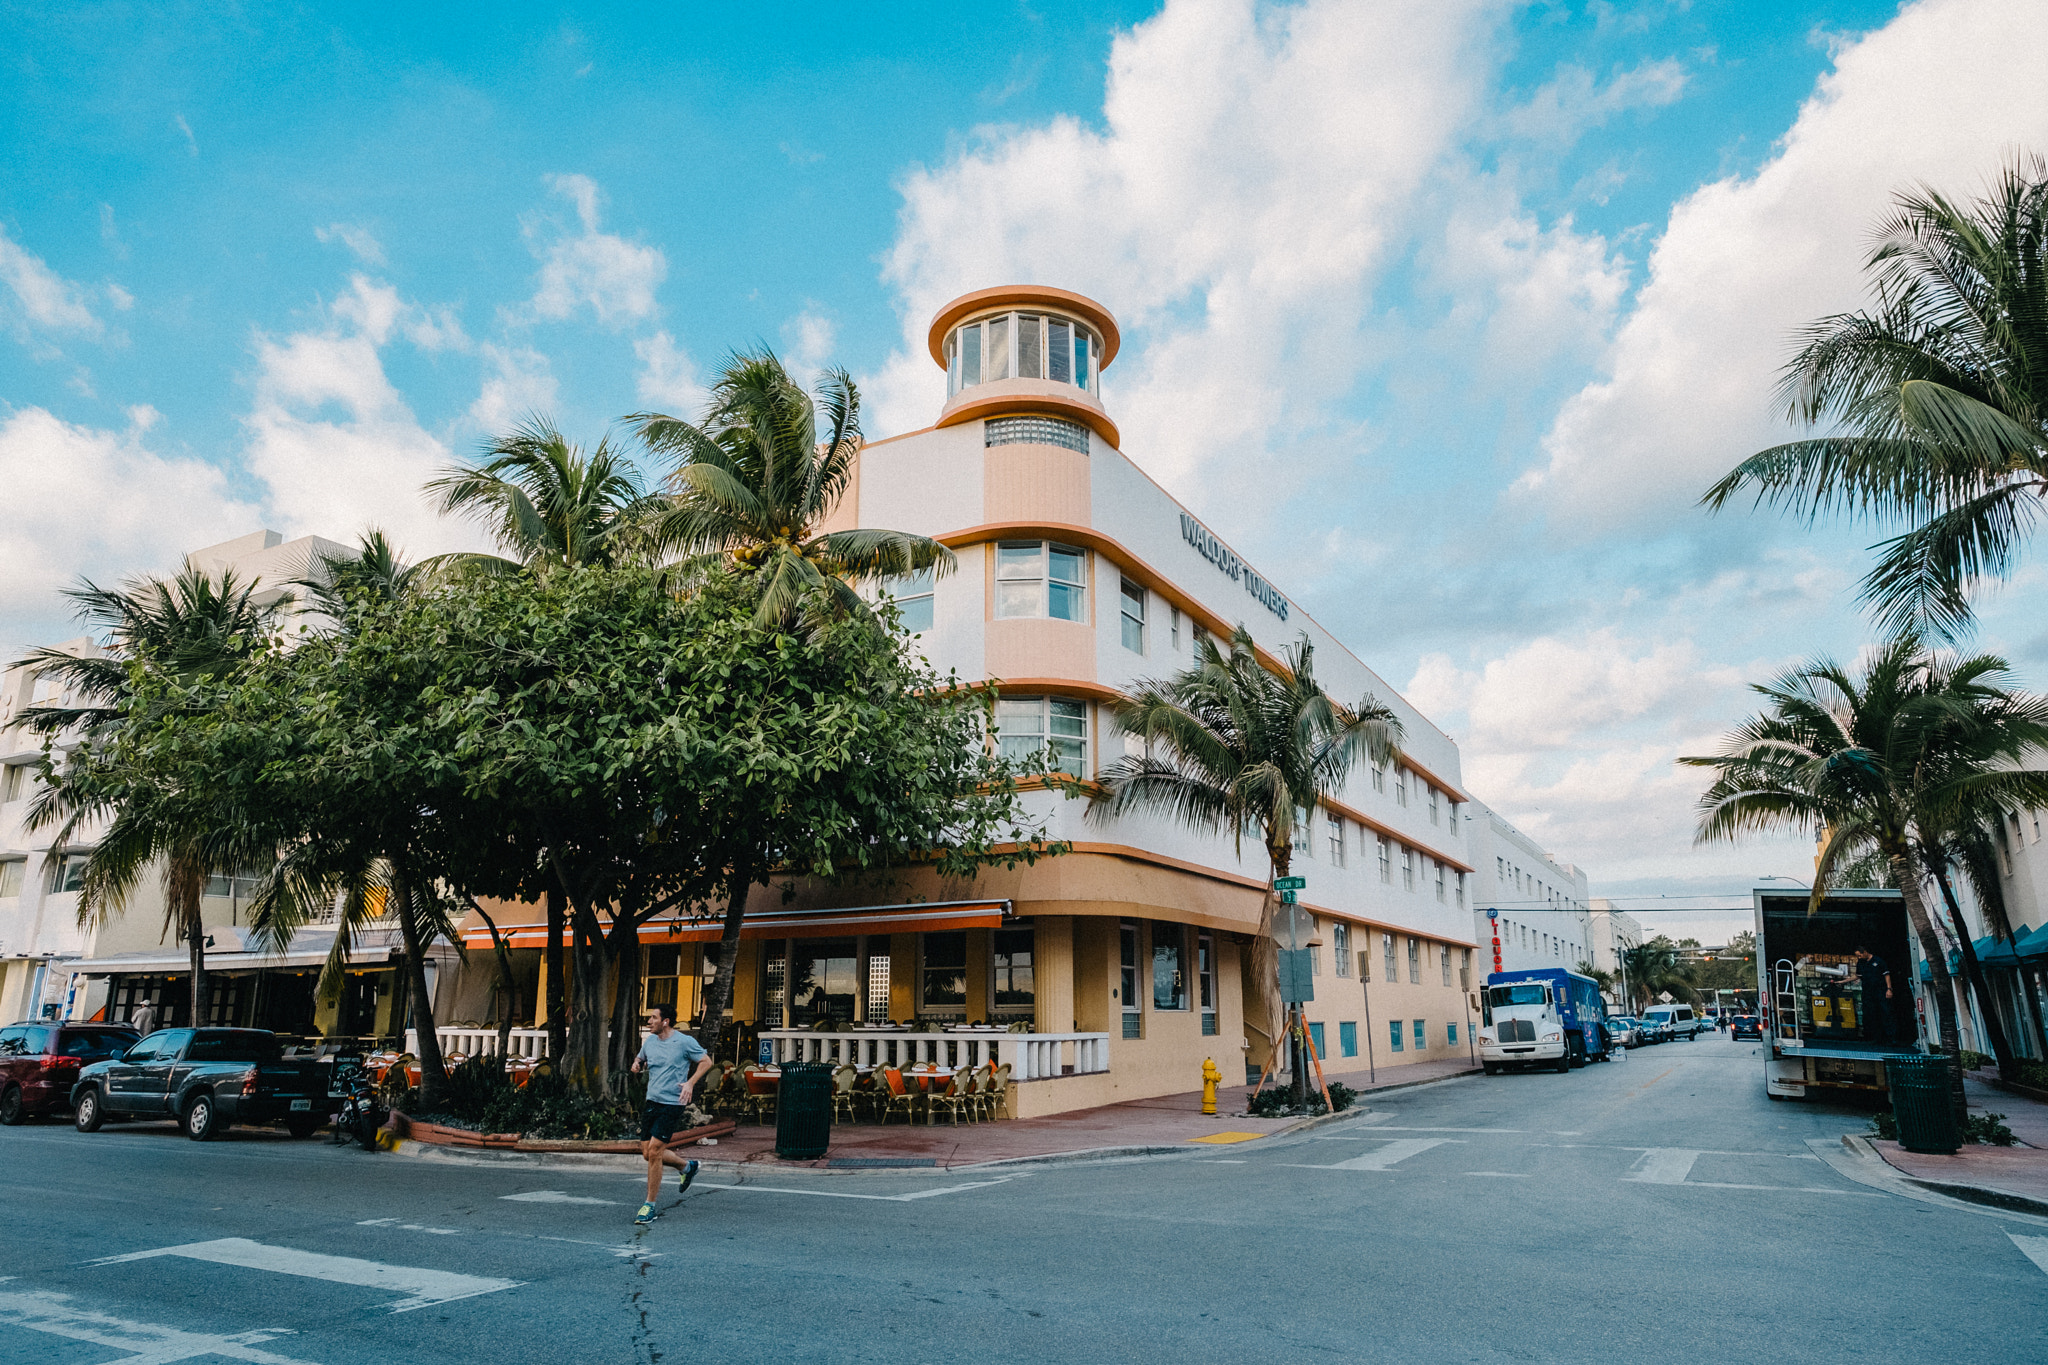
<point>1529,909</point>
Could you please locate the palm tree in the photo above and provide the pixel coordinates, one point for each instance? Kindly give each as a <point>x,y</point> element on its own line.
<point>547,502</point>
<point>1938,400</point>
<point>1232,747</point>
<point>1653,969</point>
<point>756,478</point>
<point>1880,762</point>
<point>190,629</point>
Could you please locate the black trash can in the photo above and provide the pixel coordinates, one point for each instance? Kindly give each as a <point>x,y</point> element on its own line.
<point>1921,1103</point>
<point>803,1111</point>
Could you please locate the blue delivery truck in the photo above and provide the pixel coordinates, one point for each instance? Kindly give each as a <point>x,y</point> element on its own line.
<point>1543,1017</point>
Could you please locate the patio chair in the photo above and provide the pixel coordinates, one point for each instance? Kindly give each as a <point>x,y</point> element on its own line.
<point>984,1082</point>
<point>760,1096</point>
<point>957,1098</point>
<point>707,1094</point>
<point>843,1092</point>
<point>893,1097</point>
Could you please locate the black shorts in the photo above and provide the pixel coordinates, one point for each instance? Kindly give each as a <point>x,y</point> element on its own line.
<point>660,1121</point>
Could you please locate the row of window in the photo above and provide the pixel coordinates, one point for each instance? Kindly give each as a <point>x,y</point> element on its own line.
<point>1417,950</point>
<point>1398,1031</point>
<point>1528,884</point>
<point>1537,941</point>
<point>1023,345</point>
<point>1418,869</point>
<point>69,875</point>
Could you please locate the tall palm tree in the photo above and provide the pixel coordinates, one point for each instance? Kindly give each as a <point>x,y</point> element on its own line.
<point>190,629</point>
<point>546,501</point>
<point>1653,969</point>
<point>1232,747</point>
<point>757,477</point>
<point>1879,762</point>
<point>1937,398</point>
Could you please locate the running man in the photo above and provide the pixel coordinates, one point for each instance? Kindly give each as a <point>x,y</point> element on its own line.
<point>674,1063</point>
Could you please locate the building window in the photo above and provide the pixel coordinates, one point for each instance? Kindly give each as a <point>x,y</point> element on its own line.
<point>14,781</point>
<point>1386,860</point>
<point>239,886</point>
<point>824,976</point>
<point>1500,870</point>
<point>1400,786</point>
<point>12,874</point>
<point>1347,1039</point>
<point>1451,809</point>
<point>1408,860</point>
<point>1379,778</point>
<point>913,594</point>
<point>1205,971</point>
<point>1414,961</point>
<point>68,875</point>
<point>1421,1035</point>
<point>944,986</point>
<point>1433,818</point>
<point>1443,953</point>
<point>1442,882</point>
<point>1387,941</point>
<point>1051,730</point>
<point>1315,1040</point>
<point>1030,345</point>
<point>1034,431</point>
<point>1015,995</point>
<point>1169,966</point>
<point>1133,601</point>
<point>1336,840</point>
<point>1394,1034</point>
<point>1034,578</point>
<point>1173,627</point>
<point>1299,835</point>
<point>1315,960</point>
<point>1465,969</point>
<point>1341,939</point>
<point>1127,944</point>
<point>1461,890</point>
<point>1451,1034</point>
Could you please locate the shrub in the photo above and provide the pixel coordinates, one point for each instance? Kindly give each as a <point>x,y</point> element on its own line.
<point>1983,1128</point>
<point>1277,1102</point>
<point>1971,1060</point>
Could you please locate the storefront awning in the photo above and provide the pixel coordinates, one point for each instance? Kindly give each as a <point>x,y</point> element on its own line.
<point>919,918</point>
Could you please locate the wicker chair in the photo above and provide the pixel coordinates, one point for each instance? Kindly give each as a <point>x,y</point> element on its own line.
<point>984,1082</point>
<point>759,1099</point>
<point>956,1099</point>
<point>710,1093</point>
<point>892,1097</point>
<point>843,1093</point>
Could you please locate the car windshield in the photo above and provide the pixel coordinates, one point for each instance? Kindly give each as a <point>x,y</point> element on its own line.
<point>1526,993</point>
<point>94,1042</point>
<point>233,1047</point>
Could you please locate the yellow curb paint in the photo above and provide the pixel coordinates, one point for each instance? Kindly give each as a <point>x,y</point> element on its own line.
<point>1228,1137</point>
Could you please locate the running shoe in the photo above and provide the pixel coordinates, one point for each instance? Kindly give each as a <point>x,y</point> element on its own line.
<point>689,1174</point>
<point>646,1214</point>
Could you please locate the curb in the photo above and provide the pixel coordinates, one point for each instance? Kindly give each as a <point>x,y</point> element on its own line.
<point>1880,1174</point>
<point>1988,1195</point>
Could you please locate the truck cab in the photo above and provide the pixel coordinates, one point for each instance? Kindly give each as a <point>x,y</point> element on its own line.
<point>1545,1017</point>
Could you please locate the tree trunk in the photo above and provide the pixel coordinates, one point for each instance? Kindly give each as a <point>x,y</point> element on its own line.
<point>1908,878</point>
<point>1295,1027</point>
<point>719,996</point>
<point>591,1008</point>
<point>625,959</point>
<point>1973,972</point>
<point>183,884</point>
<point>557,1002</point>
<point>433,1070</point>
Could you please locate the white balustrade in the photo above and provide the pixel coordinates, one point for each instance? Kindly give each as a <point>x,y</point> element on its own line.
<point>1031,1056</point>
<point>470,1042</point>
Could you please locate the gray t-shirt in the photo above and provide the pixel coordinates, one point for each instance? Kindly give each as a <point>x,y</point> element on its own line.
<point>668,1065</point>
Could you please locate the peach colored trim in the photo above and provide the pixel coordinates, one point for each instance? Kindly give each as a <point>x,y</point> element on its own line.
<point>1056,687</point>
<point>899,436</point>
<point>1003,404</point>
<point>1092,539</point>
<point>1091,312</point>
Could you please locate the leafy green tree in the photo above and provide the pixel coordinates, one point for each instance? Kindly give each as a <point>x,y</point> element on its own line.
<point>1652,969</point>
<point>190,628</point>
<point>1875,762</point>
<point>756,479</point>
<point>1233,747</point>
<point>1936,401</point>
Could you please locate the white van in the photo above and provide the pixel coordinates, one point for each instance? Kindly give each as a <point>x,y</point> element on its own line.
<point>1680,1019</point>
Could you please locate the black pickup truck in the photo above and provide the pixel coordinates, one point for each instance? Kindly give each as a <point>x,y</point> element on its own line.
<point>206,1079</point>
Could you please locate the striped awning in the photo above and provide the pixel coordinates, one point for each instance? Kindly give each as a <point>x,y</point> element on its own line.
<point>922,917</point>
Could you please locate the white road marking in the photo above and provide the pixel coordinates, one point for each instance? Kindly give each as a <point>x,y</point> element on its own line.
<point>2034,1249</point>
<point>1222,1161</point>
<point>427,1287</point>
<point>406,1227</point>
<point>842,1194</point>
<point>1399,1128</point>
<point>552,1197</point>
<point>1400,1149</point>
<point>1503,1175</point>
<point>1662,1166</point>
<point>622,1252</point>
<point>1778,1189</point>
<point>147,1342</point>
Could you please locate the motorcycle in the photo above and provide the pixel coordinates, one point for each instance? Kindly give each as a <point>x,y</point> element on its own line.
<point>361,1113</point>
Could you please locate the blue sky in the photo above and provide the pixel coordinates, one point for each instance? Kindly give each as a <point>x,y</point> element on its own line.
<point>1442,313</point>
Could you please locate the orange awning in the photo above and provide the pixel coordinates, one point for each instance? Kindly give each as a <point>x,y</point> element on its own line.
<point>920,918</point>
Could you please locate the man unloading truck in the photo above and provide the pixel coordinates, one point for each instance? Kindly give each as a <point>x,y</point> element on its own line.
<point>1875,976</point>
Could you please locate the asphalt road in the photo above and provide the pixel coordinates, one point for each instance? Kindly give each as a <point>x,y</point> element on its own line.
<point>1649,1210</point>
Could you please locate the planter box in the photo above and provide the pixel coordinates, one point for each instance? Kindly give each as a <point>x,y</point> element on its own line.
<point>439,1135</point>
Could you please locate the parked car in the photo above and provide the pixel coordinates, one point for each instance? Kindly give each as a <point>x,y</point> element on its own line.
<point>1745,1026</point>
<point>1679,1018</point>
<point>1624,1031</point>
<point>41,1061</point>
<point>207,1079</point>
<point>1655,1029</point>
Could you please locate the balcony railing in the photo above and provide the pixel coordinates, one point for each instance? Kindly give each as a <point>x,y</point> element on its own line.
<point>1031,1056</point>
<point>470,1042</point>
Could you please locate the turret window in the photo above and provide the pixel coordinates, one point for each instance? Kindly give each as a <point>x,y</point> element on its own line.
<point>1026,345</point>
<point>1042,431</point>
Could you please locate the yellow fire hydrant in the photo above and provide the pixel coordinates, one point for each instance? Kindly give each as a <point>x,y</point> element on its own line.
<point>1210,1075</point>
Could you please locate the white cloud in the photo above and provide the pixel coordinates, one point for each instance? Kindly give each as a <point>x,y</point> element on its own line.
<point>669,380</point>
<point>1745,262</point>
<point>522,384</point>
<point>591,268</point>
<point>43,299</point>
<point>105,505</point>
<point>807,341</point>
<point>185,129</point>
<point>1574,101</point>
<point>360,241</point>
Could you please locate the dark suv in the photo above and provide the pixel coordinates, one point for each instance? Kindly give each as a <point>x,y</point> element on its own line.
<point>39,1062</point>
<point>1745,1026</point>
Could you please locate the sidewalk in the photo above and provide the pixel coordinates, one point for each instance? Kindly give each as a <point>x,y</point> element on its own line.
<point>1167,1123</point>
<point>1992,1174</point>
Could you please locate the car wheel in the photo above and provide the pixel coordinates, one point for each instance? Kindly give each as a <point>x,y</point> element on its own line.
<point>91,1112</point>
<point>202,1121</point>
<point>10,1106</point>
<point>1564,1063</point>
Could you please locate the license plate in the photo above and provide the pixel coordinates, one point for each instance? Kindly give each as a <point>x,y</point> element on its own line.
<point>298,1105</point>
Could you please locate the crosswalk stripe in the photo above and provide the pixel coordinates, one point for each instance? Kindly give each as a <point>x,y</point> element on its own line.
<point>427,1287</point>
<point>1663,1166</point>
<point>1400,1149</point>
<point>150,1343</point>
<point>2034,1249</point>
<point>552,1197</point>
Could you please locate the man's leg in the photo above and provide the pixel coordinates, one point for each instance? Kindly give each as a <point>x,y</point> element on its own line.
<point>655,1150</point>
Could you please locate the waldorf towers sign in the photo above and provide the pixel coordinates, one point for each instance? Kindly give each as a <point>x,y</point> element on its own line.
<point>1213,550</point>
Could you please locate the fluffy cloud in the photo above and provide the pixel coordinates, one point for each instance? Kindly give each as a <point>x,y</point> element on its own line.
<point>360,241</point>
<point>668,380</point>
<point>43,299</point>
<point>590,268</point>
<point>522,384</point>
<point>1574,101</point>
<point>1746,261</point>
<point>106,505</point>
